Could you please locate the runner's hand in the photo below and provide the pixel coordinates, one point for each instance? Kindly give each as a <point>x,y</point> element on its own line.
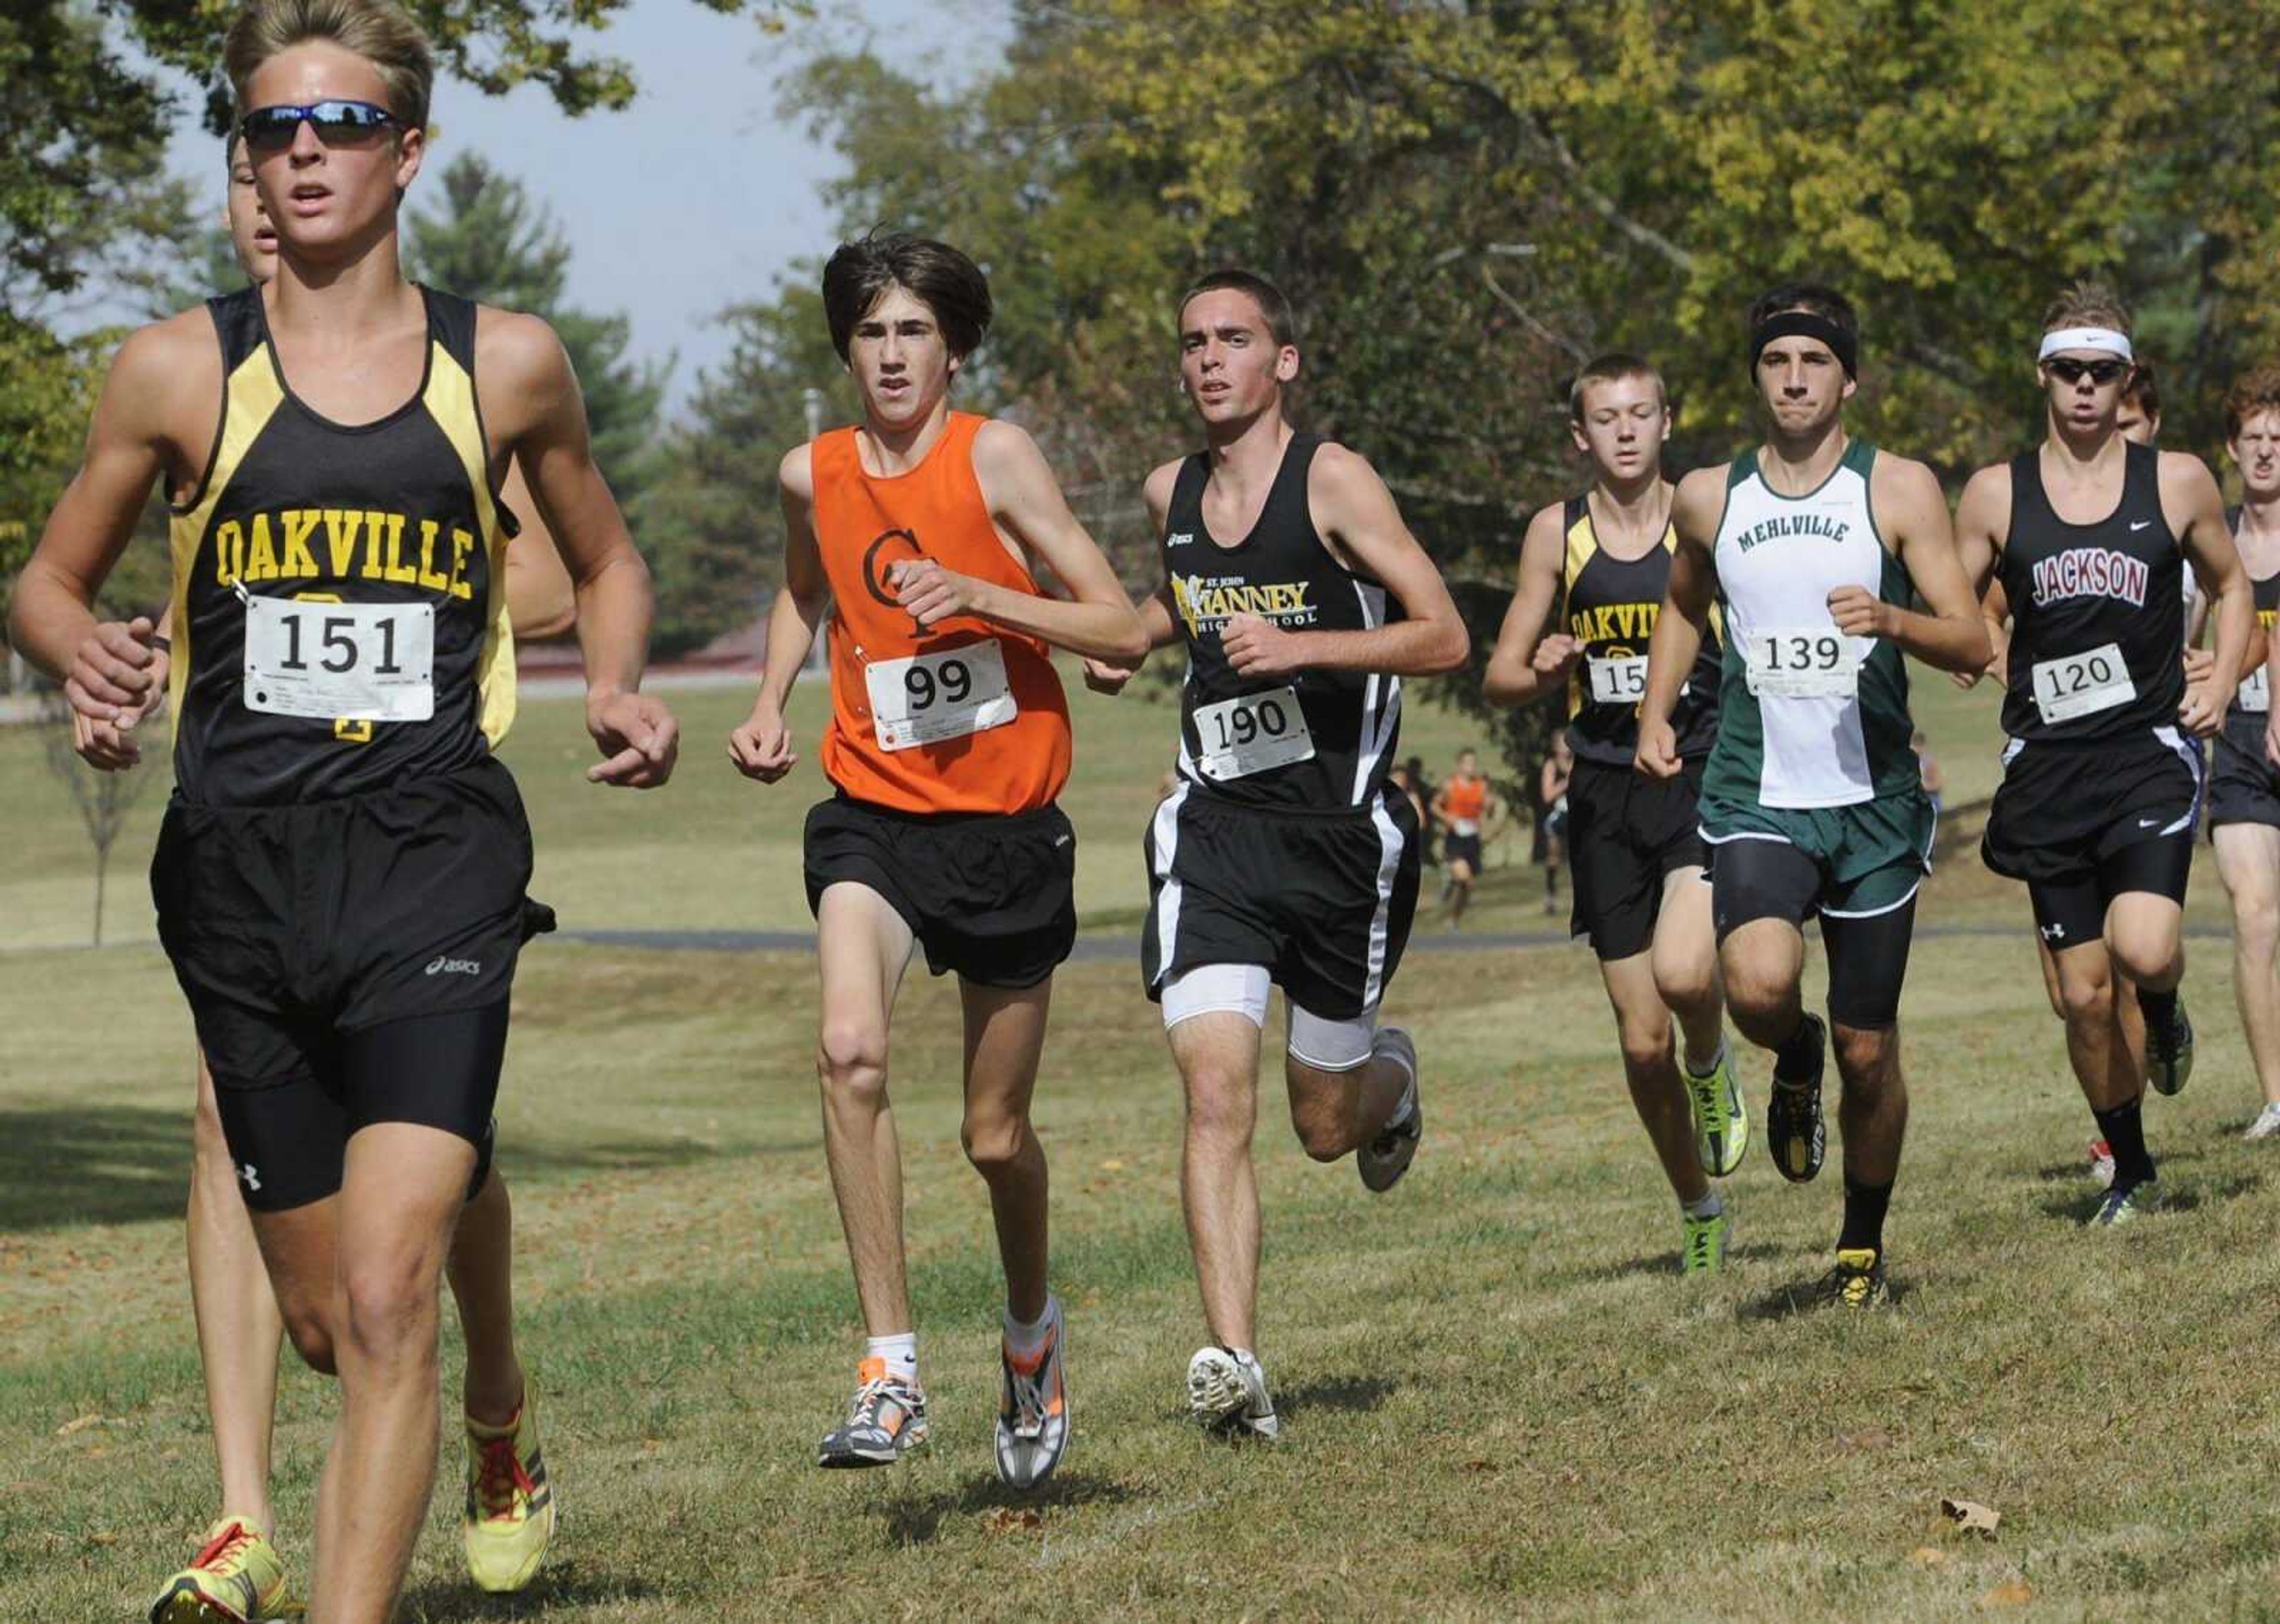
<point>2202,714</point>
<point>111,746</point>
<point>638,738</point>
<point>1658,750</point>
<point>1259,648</point>
<point>930,593</point>
<point>1104,676</point>
<point>1556,654</point>
<point>1859,612</point>
<point>2198,663</point>
<point>110,673</point>
<point>761,747</point>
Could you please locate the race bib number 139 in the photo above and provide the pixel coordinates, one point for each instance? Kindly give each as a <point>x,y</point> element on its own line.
<point>330,661</point>
<point>1804,663</point>
<point>929,698</point>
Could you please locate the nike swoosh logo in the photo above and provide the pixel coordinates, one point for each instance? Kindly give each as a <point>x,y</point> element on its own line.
<point>2148,823</point>
<point>2139,524</point>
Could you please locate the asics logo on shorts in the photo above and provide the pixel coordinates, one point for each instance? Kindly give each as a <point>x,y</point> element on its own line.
<point>455,966</point>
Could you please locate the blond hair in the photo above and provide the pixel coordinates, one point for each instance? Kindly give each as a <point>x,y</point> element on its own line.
<point>377,30</point>
<point>2088,304</point>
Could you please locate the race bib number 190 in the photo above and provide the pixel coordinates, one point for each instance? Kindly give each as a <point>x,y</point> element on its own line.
<point>929,698</point>
<point>1250,734</point>
<point>1804,663</point>
<point>331,662</point>
<point>2256,691</point>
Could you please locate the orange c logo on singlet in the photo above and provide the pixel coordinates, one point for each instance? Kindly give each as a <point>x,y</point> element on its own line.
<point>875,577</point>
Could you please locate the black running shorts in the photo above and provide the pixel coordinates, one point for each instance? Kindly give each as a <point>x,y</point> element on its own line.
<point>1322,899</point>
<point>2063,810</point>
<point>347,962</point>
<point>989,896</point>
<point>1461,848</point>
<point>1627,834</point>
<point>2244,786</point>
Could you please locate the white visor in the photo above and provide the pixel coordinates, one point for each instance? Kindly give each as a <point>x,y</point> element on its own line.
<point>2085,338</point>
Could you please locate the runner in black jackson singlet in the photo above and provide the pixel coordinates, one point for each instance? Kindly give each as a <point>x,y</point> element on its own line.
<point>2089,536</point>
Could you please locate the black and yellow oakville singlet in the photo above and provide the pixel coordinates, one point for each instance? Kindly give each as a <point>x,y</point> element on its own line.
<point>340,593</point>
<point>1612,605</point>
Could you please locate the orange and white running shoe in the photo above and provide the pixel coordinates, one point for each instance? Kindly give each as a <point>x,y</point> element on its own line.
<point>1033,1409</point>
<point>887,1420</point>
<point>236,1578</point>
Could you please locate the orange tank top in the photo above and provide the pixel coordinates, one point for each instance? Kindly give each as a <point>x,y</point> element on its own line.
<point>961,717</point>
<point>1465,797</point>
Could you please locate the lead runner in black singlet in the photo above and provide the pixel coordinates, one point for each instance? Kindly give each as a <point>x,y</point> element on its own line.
<point>340,880</point>
<point>1580,616</point>
<point>1282,857</point>
<point>2090,537</point>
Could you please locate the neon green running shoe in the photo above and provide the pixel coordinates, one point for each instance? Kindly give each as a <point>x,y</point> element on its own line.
<point>1703,1252</point>
<point>509,1518</point>
<point>1722,1121</point>
<point>236,1578</point>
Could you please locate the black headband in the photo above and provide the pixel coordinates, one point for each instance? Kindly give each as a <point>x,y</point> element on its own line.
<point>1806,324</point>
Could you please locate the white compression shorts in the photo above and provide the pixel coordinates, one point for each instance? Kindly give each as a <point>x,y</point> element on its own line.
<point>1241,989</point>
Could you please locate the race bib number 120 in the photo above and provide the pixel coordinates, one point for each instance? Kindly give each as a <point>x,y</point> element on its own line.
<point>1804,663</point>
<point>929,698</point>
<point>2072,685</point>
<point>333,662</point>
<point>1250,734</point>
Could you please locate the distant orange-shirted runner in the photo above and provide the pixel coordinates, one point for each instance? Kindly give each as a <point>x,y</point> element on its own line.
<point>913,727</point>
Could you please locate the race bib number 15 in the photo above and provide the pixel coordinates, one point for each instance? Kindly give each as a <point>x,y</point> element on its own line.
<point>929,698</point>
<point>1618,680</point>
<point>331,662</point>
<point>1807,663</point>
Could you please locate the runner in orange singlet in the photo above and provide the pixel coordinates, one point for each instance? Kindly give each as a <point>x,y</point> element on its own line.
<point>948,740</point>
<point>1463,804</point>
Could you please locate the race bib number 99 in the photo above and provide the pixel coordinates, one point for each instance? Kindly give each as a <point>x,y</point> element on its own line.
<point>1250,734</point>
<point>1618,681</point>
<point>1804,663</point>
<point>331,662</point>
<point>929,698</point>
<point>2072,685</point>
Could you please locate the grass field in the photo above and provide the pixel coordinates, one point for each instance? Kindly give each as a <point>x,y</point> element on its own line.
<point>1500,1401</point>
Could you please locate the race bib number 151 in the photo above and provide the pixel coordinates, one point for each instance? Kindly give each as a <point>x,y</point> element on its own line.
<point>330,661</point>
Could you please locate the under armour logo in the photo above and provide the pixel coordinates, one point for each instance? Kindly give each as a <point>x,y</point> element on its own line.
<point>455,966</point>
<point>249,1175</point>
<point>2053,933</point>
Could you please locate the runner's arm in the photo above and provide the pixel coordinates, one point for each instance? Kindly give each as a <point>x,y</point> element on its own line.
<point>1353,510</point>
<point>1096,619</point>
<point>1527,662</point>
<point>1982,522</point>
<point>2195,509</point>
<point>1160,621</point>
<point>542,601</point>
<point>1911,512</point>
<point>761,745</point>
<point>1678,639</point>
<point>105,667</point>
<point>545,429</point>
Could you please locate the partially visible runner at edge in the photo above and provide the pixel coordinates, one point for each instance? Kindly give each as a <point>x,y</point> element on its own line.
<point>341,673</point>
<point>1813,545</point>
<point>1593,569</point>
<point>1285,856</point>
<point>923,531</point>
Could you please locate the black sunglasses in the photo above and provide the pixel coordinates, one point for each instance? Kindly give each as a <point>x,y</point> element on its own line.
<point>2067,369</point>
<point>272,129</point>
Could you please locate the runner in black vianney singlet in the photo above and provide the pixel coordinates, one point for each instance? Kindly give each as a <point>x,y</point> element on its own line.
<point>2243,786</point>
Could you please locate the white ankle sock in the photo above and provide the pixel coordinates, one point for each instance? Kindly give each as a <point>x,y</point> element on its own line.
<point>900,1352</point>
<point>1709,1207</point>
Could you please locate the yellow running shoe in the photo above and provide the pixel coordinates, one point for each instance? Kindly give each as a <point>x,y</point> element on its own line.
<point>510,1515</point>
<point>236,1578</point>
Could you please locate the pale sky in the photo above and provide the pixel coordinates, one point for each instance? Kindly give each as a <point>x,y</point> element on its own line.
<point>697,197</point>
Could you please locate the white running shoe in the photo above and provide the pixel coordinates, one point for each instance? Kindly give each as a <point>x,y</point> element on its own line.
<point>2267,1123</point>
<point>1227,1389</point>
<point>1385,1159</point>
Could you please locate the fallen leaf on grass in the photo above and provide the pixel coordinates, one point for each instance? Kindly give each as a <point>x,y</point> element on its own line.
<point>1866,1438</point>
<point>1480,1466</point>
<point>1111,1166</point>
<point>1930,1555</point>
<point>1972,1517</point>
<point>2010,1593</point>
<point>77,1423</point>
<point>1008,1519</point>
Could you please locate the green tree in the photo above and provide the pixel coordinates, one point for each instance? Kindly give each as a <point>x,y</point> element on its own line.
<point>487,240</point>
